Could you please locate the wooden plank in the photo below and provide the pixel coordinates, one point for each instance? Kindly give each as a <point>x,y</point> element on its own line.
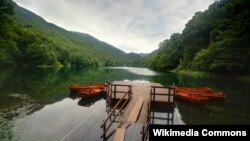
<point>119,134</point>
<point>136,110</point>
<point>135,113</point>
<point>144,112</point>
<point>133,133</point>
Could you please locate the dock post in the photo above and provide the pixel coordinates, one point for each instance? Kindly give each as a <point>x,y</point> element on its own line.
<point>115,92</point>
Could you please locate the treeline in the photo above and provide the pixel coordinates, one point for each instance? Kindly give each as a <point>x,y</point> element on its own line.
<point>216,40</point>
<point>28,40</point>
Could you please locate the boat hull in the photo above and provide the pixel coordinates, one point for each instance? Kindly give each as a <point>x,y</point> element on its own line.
<point>192,98</point>
<point>205,91</point>
<point>88,90</point>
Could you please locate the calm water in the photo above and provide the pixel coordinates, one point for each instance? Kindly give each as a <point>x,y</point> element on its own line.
<point>35,103</point>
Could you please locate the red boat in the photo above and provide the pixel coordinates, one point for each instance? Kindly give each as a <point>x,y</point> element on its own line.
<point>77,87</point>
<point>90,92</point>
<point>87,90</point>
<point>200,92</point>
<point>192,97</point>
<point>215,95</point>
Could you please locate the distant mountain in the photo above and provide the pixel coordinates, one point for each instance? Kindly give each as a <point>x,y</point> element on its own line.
<point>32,41</point>
<point>137,60</point>
<point>134,56</point>
<point>144,54</point>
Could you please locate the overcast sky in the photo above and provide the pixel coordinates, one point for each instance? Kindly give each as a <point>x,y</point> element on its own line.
<point>131,25</point>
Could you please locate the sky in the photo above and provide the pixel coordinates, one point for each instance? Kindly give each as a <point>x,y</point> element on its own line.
<point>130,25</point>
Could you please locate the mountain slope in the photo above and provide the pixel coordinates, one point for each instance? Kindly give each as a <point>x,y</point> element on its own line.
<point>31,41</point>
<point>28,18</point>
<point>216,40</point>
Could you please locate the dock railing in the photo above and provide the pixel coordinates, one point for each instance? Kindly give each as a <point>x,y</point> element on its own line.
<point>111,93</point>
<point>170,99</point>
<point>170,94</point>
<point>144,131</point>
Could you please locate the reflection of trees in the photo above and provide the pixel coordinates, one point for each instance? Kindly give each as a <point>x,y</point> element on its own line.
<point>235,108</point>
<point>213,113</point>
<point>166,79</point>
<point>205,114</point>
<point>4,75</point>
<point>237,91</point>
<point>46,86</point>
<point>189,111</point>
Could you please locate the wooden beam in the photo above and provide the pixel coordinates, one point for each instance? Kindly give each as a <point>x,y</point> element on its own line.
<point>119,134</point>
<point>136,110</point>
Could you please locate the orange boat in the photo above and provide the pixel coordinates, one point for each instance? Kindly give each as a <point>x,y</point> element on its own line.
<point>201,89</point>
<point>204,91</point>
<point>77,87</point>
<point>90,92</point>
<point>215,95</point>
<point>87,90</point>
<point>200,99</point>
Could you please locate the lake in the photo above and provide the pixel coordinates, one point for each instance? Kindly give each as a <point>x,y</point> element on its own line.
<point>35,104</point>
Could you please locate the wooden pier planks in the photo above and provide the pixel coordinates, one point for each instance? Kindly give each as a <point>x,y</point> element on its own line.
<point>136,110</point>
<point>119,134</point>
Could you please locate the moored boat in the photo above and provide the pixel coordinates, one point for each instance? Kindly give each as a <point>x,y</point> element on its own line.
<point>90,92</point>
<point>87,90</point>
<point>201,89</point>
<point>204,91</point>
<point>192,97</point>
<point>215,95</point>
<point>77,87</point>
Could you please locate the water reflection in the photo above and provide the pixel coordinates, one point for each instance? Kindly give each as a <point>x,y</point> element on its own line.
<point>138,71</point>
<point>24,93</point>
<point>163,113</point>
<point>87,101</point>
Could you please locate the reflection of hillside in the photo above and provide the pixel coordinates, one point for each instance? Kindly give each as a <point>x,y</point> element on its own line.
<point>210,114</point>
<point>237,91</point>
<point>189,111</point>
<point>15,110</point>
<point>166,79</point>
<point>5,74</point>
<point>47,86</point>
<point>24,91</point>
<point>234,109</point>
<point>50,85</point>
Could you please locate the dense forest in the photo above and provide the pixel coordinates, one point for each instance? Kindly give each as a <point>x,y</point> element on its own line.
<point>216,40</point>
<point>28,40</point>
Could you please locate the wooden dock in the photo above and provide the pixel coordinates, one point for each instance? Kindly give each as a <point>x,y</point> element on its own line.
<point>137,104</point>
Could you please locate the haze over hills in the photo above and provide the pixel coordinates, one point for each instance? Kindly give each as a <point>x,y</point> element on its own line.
<point>31,41</point>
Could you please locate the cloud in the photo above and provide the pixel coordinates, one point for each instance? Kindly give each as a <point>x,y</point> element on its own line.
<point>131,25</point>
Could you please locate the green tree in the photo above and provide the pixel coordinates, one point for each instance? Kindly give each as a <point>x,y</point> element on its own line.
<point>216,40</point>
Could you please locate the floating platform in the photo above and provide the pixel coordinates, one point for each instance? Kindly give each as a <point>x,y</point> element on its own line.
<point>140,104</point>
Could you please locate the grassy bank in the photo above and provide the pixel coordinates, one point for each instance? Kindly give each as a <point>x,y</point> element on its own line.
<point>244,77</point>
<point>192,73</point>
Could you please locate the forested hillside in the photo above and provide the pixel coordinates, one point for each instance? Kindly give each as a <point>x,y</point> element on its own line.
<point>216,40</point>
<point>28,40</point>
